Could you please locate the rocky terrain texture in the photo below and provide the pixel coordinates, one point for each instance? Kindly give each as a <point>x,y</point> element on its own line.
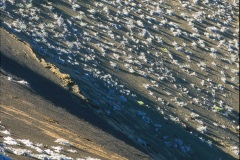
<point>163,75</point>
<point>42,119</point>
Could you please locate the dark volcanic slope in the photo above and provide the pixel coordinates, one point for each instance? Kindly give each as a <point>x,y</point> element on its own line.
<point>164,73</point>
<point>40,111</point>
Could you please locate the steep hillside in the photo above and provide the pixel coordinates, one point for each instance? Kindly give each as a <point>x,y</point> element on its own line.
<point>39,118</point>
<point>163,73</point>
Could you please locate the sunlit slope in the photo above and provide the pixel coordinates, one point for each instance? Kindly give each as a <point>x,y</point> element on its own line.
<point>164,73</point>
<point>40,119</point>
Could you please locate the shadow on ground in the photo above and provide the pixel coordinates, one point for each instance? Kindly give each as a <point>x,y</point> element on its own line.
<point>62,98</point>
